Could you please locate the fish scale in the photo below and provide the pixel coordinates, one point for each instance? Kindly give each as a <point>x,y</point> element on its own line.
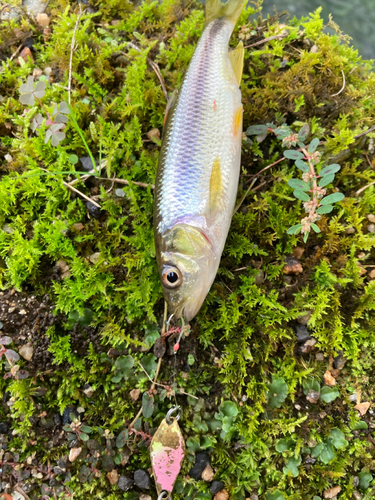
<point>200,157</point>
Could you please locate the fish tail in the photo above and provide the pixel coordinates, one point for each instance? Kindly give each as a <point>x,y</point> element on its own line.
<point>230,10</point>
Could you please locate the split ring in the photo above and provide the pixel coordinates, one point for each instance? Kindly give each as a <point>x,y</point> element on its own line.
<point>169,418</point>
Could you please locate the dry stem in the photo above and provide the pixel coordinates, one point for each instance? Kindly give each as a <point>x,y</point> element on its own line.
<point>71,53</point>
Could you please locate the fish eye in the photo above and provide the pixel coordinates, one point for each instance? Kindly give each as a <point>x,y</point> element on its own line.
<point>171,277</point>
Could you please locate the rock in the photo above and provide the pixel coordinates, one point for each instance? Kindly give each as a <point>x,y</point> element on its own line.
<point>7,12</point>
<point>86,163</point>
<point>216,486</point>
<point>292,266</point>
<point>113,476</point>
<point>313,396</point>
<point>208,474</point>
<point>329,379</point>
<point>201,461</point>
<point>34,7</point>
<point>332,492</point>
<point>78,226</point>
<point>310,461</point>
<point>304,319</point>
<point>349,230</point>
<point>69,410</point>
<point>259,277</point>
<point>26,351</point>
<point>48,71</point>
<point>362,408</point>
<point>355,481</point>
<point>134,394</point>
<point>143,496</point>
<point>308,346</point>
<point>74,453</point>
<point>357,495</point>
<point>93,210</point>
<point>254,496</point>
<point>154,133</point>
<point>371,217</point>
<point>125,483</point>
<point>88,390</point>
<point>26,55</point>
<point>302,333</point>
<point>58,470</point>
<point>371,228</point>
<point>94,257</point>
<point>3,428</point>
<point>37,72</point>
<point>142,479</point>
<point>353,397</point>
<point>43,20</point>
<point>120,193</point>
<point>298,252</point>
<point>319,356</point>
<point>221,495</point>
<point>372,274</point>
<point>339,362</point>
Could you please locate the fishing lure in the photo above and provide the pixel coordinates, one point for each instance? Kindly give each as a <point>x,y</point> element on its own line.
<point>199,165</point>
<point>167,452</point>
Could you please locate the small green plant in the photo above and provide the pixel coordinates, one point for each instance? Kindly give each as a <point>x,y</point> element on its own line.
<point>311,189</point>
<point>77,430</point>
<point>277,392</point>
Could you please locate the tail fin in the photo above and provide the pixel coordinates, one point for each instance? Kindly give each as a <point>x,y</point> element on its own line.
<point>230,10</point>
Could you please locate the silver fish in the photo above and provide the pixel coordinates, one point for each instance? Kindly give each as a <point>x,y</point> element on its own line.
<point>199,165</point>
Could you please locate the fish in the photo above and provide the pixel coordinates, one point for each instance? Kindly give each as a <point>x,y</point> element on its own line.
<point>199,165</point>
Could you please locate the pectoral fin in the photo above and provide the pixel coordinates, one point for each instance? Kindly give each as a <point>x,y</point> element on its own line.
<point>236,58</point>
<point>216,189</point>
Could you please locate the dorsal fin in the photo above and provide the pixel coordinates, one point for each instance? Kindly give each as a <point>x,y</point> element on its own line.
<point>171,102</point>
<point>216,188</point>
<point>236,58</point>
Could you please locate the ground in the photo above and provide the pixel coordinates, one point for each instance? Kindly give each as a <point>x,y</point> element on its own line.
<point>275,374</point>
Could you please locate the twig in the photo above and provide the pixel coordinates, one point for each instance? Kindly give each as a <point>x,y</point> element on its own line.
<point>21,492</point>
<point>365,133</point>
<point>265,40</point>
<point>123,181</point>
<point>265,168</point>
<point>244,196</point>
<point>365,187</point>
<point>153,65</point>
<point>16,52</point>
<point>71,53</point>
<point>343,85</point>
<point>81,194</point>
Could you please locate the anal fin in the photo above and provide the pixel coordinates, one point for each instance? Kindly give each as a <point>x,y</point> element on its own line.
<point>236,58</point>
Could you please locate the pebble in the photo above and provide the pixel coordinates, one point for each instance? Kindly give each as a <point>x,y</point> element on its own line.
<point>154,133</point>
<point>292,266</point>
<point>329,379</point>
<point>353,397</point>
<point>339,362</point>
<point>37,72</point>
<point>302,333</point>
<point>332,492</point>
<point>371,228</point>
<point>372,274</point>
<point>3,428</point>
<point>74,453</point>
<point>371,217</point>
<point>125,483</point>
<point>308,346</point>
<point>93,210</point>
<point>43,20</point>
<point>34,6</point>
<point>95,257</point>
<point>143,496</point>
<point>78,226</point>
<point>134,394</point>
<point>319,356</point>
<point>113,476</point>
<point>26,351</point>
<point>86,163</point>
<point>142,479</point>
<point>349,230</point>
<point>48,71</point>
<point>259,278</point>
<point>120,193</point>
<point>355,481</point>
<point>221,495</point>
<point>201,461</point>
<point>357,495</point>
<point>88,390</point>
<point>298,252</point>
<point>216,486</point>
<point>69,410</point>
<point>26,55</point>
<point>208,474</point>
<point>303,320</point>
<point>313,396</point>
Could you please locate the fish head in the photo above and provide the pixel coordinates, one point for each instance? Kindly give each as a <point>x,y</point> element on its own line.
<point>187,267</point>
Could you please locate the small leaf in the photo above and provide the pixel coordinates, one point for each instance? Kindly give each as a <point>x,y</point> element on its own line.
<point>317,450</point>
<point>284,444</point>
<point>39,90</point>
<point>301,165</point>
<point>329,169</point>
<point>122,438</point>
<point>27,87</point>
<point>147,405</point>
<point>292,466</point>
<point>327,454</point>
<point>193,445</point>
<point>149,364</point>
<point>12,355</point>
<point>315,227</point>
<point>229,409</point>
<point>327,179</point>
<point>301,195</point>
<point>83,436</point>
<point>361,425</point>
<point>365,479</point>
<point>293,155</point>
<point>256,130</point>
<point>277,392</point>
<point>5,340</point>
<point>282,132</point>
<point>22,374</point>
<point>338,439</point>
<point>276,495</point>
<point>325,209</point>
<point>310,384</point>
<point>304,132</point>
<point>124,364</point>
<point>57,137</point>
<point>298,184</point>
<point>332,198</point>
<point>313,145</point>
<point>73,159</point>
<point>86,429</point>
<point>64,108</point>
<point>329,394</point>
<point>295,229</point>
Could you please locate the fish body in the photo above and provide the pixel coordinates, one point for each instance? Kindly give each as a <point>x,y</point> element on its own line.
<point>199,166</point>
